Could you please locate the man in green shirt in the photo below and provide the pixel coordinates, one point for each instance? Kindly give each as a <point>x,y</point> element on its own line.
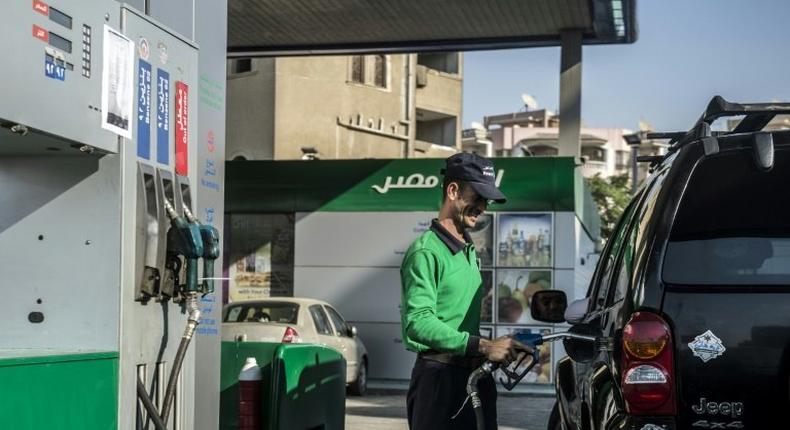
<point>440,304</point>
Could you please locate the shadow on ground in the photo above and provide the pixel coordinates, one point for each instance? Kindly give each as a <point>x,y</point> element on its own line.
<point>387,411</point>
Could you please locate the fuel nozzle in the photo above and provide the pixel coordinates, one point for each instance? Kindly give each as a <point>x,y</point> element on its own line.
<point>184,240</point>
<point>517,369</point>
<point>514,371</point>
<point>210,238</point>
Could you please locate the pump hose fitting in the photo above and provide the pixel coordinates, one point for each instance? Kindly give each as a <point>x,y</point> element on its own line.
<point>472,391</point>
<point>192,322</point>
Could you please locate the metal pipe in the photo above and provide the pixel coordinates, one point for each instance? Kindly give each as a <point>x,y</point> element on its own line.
<point>192,322</point>
<point>411,107</point>
<point>556,336</point>
<point>634,169</point>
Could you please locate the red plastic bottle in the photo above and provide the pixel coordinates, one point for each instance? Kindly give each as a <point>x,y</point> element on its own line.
<point>250,395</point>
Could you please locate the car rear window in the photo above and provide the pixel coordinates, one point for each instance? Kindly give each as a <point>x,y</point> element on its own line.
<point>261,312</point>
<point>733,224</point>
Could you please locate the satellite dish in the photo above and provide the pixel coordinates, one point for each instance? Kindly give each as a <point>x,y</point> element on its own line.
<point>477,126</point>
<point>529,101</point>
<point>645,126</point>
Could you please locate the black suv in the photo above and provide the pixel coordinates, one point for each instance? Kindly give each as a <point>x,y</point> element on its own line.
<point>690,300</point>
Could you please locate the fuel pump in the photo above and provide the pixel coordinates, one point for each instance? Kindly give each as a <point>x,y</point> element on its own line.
<point>184,242</point>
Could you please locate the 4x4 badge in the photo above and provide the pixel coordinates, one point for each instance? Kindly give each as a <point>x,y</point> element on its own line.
<point>707,346</point>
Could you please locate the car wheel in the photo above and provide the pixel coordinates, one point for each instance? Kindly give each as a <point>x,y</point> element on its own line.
<point>360,385</point>
<point>554,418</point>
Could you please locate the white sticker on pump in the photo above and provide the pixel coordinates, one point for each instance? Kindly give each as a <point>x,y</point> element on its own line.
<point>117,93</point>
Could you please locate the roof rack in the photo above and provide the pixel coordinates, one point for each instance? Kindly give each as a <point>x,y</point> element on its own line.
<point>758,115</point>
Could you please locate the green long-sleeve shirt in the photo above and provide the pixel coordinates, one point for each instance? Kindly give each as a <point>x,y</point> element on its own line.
<point>441,291</point>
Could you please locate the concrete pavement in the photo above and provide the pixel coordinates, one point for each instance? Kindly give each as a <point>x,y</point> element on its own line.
<point>386,410</point>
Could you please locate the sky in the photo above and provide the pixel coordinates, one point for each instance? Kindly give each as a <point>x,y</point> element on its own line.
<point>687,52</point>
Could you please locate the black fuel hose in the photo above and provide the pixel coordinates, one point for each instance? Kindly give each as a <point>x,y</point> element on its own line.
<point>192,322</point>
<point>472,391</point>
<point>142,394</point>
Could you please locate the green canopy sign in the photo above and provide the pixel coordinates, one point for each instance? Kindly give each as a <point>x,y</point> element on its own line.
<point>533,184</point>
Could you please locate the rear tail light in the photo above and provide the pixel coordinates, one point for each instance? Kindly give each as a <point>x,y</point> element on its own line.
<point>648,366</point>
<point>291,336</point>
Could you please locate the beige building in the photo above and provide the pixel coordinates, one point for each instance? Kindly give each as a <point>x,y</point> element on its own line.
<point>341,107</point>
<point>604,151</point>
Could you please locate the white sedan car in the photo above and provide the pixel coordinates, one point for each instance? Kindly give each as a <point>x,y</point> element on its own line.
<point>295,320</point>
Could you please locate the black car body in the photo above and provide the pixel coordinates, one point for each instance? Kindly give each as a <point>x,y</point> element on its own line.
<point>690,299</point>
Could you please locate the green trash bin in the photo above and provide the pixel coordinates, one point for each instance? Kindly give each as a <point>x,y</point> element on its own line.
<point>303,385</point>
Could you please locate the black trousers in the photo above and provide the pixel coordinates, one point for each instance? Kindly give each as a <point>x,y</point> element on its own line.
<point>438,390</point>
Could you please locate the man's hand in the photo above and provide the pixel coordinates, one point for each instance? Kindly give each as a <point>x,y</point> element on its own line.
<point>502,349</point>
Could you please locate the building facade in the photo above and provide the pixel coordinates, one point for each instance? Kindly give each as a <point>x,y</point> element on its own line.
<point>604,151</point>
<point>344,107</point>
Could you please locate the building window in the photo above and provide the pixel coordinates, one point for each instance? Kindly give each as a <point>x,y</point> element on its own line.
<point>242,65</point>
<point>380,71</point>
<point>594,153</point>
<point>441,131</point>
<point>446,62</point>
<point>543,151</point>
<point>622,159</point>
<point>369,70</point>
<point>358,69</point>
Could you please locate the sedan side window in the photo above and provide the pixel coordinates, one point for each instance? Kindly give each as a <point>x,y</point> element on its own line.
<point>320,320</point>
<point>340,325</point>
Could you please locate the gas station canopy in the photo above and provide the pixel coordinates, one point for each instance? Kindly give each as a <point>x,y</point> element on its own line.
<point>310,27</point>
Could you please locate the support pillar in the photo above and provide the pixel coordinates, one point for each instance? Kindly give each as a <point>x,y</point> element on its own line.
<point>570,93</point>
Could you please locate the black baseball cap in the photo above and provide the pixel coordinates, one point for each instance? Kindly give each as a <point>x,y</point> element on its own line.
<point>476,170</point>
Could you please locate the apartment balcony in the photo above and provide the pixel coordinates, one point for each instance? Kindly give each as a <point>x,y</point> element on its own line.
<point>438,91</point>
<point>423,149</point>
<point>592,168</point>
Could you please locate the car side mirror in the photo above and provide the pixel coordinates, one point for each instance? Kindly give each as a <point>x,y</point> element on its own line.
<point>577,310</point>
<point>548,306</point>
<point>352,331</point>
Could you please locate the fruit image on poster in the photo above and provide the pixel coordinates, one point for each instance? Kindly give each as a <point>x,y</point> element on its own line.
<point>487,303</point>
<point>541,373</point>
<point>525,240</point>
<point>483,237</point>
<point>514,291</point>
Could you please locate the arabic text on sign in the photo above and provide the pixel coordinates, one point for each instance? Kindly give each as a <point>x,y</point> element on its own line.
<point>414,180</point>
<point>54,71</point>
<point>182,127</point>
<point>144,110</point>
<point>162,116</point>
<point>163,107</point>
